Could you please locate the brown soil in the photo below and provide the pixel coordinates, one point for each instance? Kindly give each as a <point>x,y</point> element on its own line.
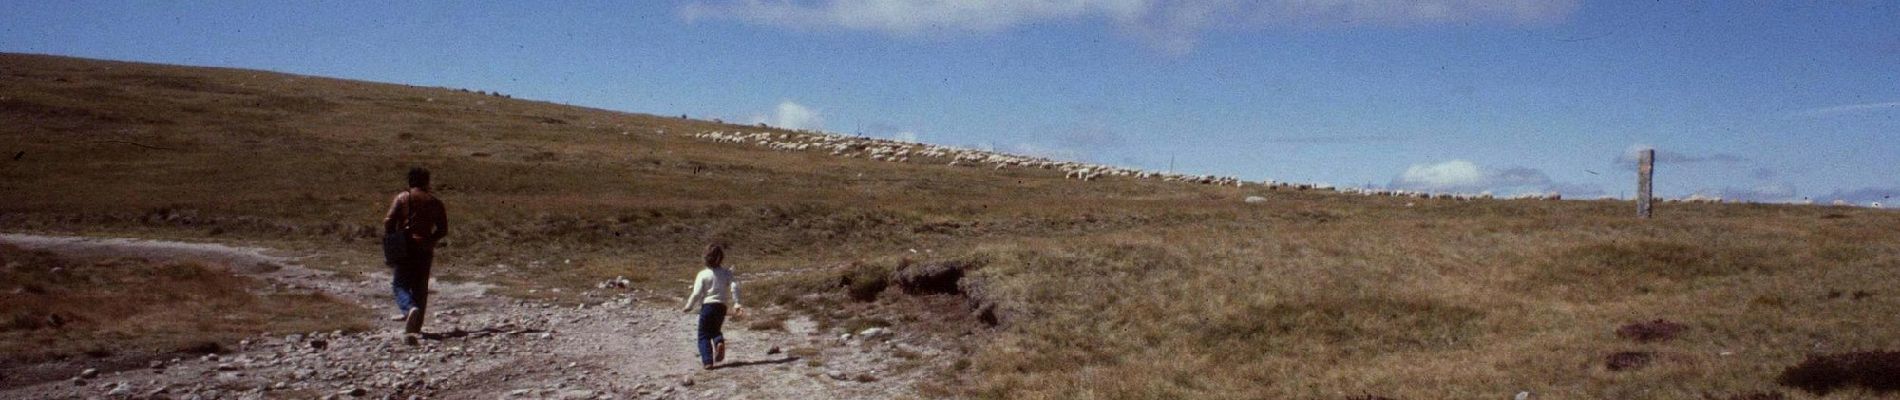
<point>1628,360</point>
<point>1877,371</point>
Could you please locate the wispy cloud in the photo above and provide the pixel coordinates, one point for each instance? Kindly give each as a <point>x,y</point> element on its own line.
<point>1170,25</point>
<point>1772,192</point>
<point>1840,110</point>
<point>1628,159</point>
<point>1334,139</point>
<point>791,115</point>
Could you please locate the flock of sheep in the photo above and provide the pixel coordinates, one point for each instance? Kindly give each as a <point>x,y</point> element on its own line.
<point>898,151</point>
<point>904,152</point>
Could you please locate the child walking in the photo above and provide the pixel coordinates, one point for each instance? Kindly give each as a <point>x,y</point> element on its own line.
<point>713,290</point>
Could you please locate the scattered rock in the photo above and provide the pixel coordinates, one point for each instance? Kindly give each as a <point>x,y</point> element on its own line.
<point>773,350</point>
<point>353,392</point>
<point>1255,199</point>
<point>687,381</point>
<point>873,333</point>
<point>836,375</point>
<point>89,373</point>
<point>319,344</point>
<point>619,282</point>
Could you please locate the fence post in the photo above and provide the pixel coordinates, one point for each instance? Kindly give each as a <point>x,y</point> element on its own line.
<point>1645,168</point>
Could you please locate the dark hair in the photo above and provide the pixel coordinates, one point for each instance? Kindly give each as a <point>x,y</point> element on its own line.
<point>715,253</point>
<point>418,177</point>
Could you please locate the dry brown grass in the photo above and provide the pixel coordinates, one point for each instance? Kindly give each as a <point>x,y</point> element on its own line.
<point>1111,289</point>
<point>129,310</point>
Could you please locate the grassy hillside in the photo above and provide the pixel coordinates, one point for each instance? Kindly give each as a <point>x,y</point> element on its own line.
<point>1115,288</point>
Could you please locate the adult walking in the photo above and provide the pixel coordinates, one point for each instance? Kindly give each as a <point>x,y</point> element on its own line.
<point>417,220</point>
<point>713,290</point>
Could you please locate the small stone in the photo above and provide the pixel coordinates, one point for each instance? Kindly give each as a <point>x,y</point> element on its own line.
<point>157,364</point>
<point>120,390</point>
<point>773,350</point>
<point>687,381</point>
<point>89,373</point>
<point>836,374</point>
<point>353,392</point>
<point>227,367</point>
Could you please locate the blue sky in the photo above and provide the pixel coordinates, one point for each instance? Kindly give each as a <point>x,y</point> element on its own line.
<point>1771,101</point>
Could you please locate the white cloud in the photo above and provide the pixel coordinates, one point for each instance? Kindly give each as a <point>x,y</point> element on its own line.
<point>1445,175</point>
<point>1170,25</point>
<point>790,115</point>
<point>1846,109</point>
<point>1460,176</point>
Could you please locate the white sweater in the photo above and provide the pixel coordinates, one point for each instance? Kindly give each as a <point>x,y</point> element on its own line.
<point>714,285</point>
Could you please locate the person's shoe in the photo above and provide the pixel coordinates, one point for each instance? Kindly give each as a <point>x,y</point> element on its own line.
<point>413,325</point>
<point>719,351</point>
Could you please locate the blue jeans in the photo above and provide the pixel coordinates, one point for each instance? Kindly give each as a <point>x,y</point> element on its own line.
<point>411,281</point>
<point>711,317</point>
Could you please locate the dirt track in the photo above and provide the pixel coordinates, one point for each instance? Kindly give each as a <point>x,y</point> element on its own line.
<point>486,346</point>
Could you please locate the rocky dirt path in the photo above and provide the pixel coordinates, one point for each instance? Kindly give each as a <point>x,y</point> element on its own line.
<point>487,346</point>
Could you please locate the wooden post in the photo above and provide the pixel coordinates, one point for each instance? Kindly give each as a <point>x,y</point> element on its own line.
<point>1646,167</point>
